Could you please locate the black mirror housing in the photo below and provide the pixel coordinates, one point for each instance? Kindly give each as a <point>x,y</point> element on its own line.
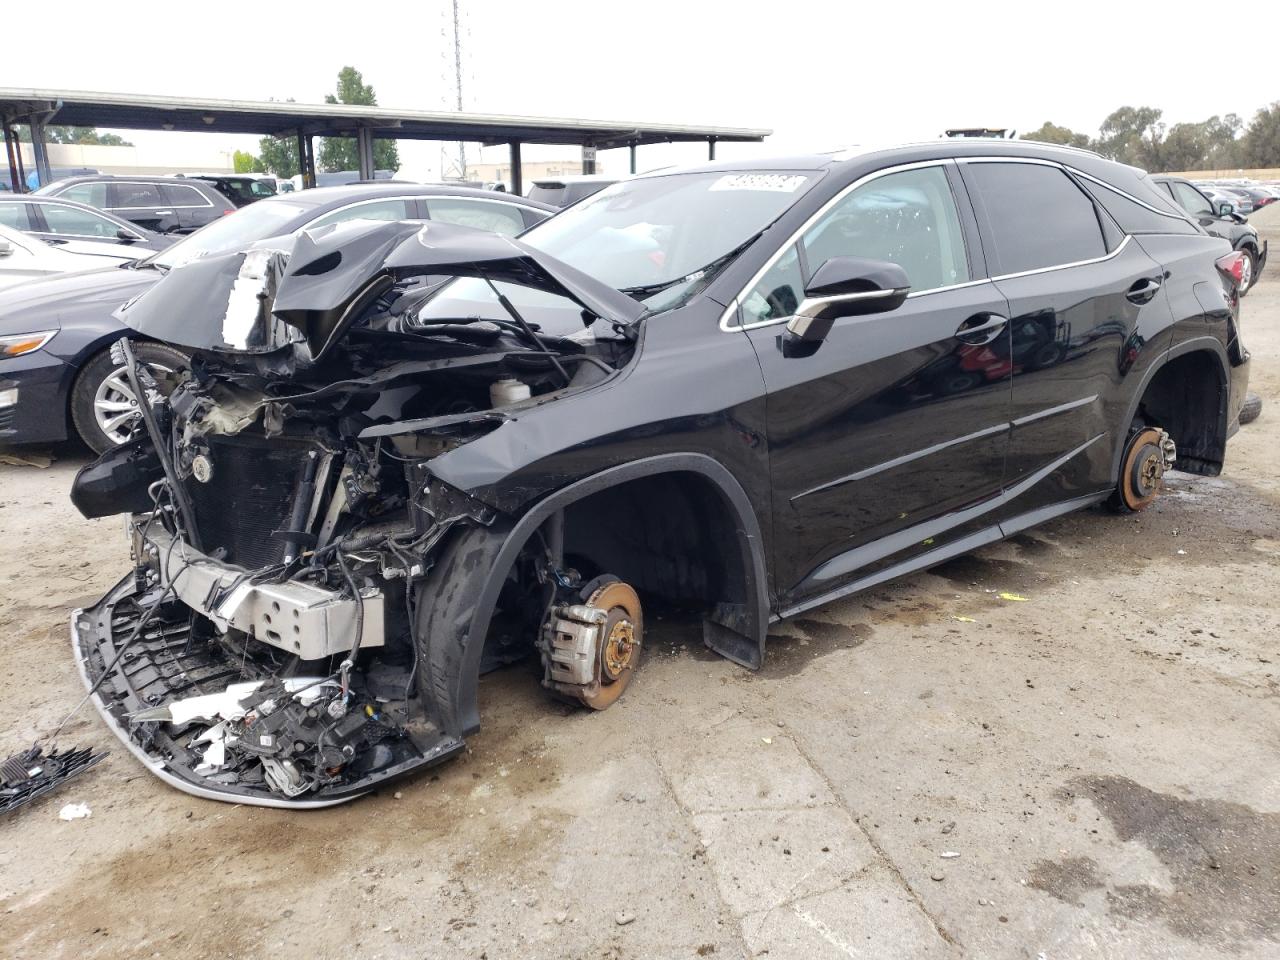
<point>842,287</point>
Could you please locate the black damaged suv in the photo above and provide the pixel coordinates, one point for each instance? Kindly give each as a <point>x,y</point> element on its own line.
<point>748,387</point>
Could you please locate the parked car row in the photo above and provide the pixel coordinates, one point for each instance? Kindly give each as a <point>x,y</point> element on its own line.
<point>1219,217</point>
<point>69,381</point>
<point>801,378</point>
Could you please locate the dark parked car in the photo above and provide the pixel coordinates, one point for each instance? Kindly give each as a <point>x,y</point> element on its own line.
<point>1260,196</point>
<point>1220,222</point>
<point>69,381</point>
<point>239,190</point>
<point>162,204</point>
<point>77,227</point>
<point>721,386</point>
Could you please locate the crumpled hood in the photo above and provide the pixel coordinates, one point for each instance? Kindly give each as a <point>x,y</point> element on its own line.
<point>306,290</point>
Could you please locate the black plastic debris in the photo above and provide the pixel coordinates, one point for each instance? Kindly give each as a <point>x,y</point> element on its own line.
<point>25,776</point>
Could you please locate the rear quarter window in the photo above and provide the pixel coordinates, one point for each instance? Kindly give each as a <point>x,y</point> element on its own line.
<point>1134,217</point>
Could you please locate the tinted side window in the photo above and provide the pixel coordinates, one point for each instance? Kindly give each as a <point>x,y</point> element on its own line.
<point>180,195</point>
<point>1035,215</point>
<point>1134,217</point>
<point>134,195</point>
<point>496,217</point>
<point>14,215</point>
<point>778,293</point>
<point>377,210</point>
<point>72,222</point>
<point>94,194</point>
<point>907,218</point>
<point>1192,200</point>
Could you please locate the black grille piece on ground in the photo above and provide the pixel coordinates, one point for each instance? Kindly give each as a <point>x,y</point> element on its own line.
<point>20,785</point>
<point>247,497</point>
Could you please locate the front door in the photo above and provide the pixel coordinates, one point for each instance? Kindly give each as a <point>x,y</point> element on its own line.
<point>888,439</point>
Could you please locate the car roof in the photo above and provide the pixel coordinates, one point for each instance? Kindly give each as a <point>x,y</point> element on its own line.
<point>126,178</point>
<point>860,159</point>
<point>318,197</point>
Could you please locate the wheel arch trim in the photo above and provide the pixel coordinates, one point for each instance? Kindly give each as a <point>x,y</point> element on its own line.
<point>750,543</point>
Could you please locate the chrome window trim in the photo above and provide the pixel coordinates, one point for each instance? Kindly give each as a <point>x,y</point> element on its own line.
<point>821,211</point>
<point>1079,173</point>
<point>732,308</point>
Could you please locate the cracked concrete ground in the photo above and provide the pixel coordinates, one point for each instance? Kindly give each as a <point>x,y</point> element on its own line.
<point>924,770</point>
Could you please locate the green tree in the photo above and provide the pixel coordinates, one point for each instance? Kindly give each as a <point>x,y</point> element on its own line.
<point>1052,133</point>
<point>339,153</point>
<point>245,162</point>
<point>1132,135</point>
<point>279,155</point>
<point>1261,144</point>
<point>82,136</point>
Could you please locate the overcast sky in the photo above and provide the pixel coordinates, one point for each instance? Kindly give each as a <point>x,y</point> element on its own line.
<point>820,75</point>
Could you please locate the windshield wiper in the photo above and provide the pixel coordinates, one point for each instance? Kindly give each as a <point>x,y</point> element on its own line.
<point>644,292</point>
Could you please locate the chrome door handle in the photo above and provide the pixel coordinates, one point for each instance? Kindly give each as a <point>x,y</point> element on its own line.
<point>164,213</point>
<point>1144,290</point>
<point>981,328</point>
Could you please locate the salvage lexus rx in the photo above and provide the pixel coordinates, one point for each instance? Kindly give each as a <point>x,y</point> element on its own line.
<point>751,388</point>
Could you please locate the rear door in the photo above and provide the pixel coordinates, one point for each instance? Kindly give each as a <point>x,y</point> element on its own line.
<point>141,203</point>
<point>1083,298</point>
<point>894,431</point>
<point>192,206</point>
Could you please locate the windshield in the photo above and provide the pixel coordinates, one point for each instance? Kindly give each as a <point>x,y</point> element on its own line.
<point>268,218</point>
<point>640,233</point>
<point>649,237</point>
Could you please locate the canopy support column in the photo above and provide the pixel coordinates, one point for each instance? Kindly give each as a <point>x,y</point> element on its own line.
<point>364,151</point>
<point>711,148</point>
<point>632,149</point>
<point>517,174</point>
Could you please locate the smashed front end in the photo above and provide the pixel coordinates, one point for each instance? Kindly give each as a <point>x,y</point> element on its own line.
<point>269,645</point>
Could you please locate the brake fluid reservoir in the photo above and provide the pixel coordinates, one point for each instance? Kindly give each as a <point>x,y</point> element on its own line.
<point>507,391</point>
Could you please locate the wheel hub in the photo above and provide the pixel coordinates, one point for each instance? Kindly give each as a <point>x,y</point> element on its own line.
<point>590,650</point>
<point>1149,454</point>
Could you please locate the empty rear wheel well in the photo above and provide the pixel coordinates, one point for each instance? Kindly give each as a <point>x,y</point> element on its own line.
<point>1187,398</point>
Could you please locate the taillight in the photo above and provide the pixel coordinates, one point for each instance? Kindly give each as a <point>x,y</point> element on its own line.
<point>1232,266</point>
<point>226,212</point>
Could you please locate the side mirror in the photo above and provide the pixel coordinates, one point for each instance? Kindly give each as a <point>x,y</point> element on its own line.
<point>1226,209</point>
<point>842,287</point>
<point>6,248</point>
<point>124,236</point>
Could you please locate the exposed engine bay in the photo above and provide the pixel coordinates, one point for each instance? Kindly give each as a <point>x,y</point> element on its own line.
<point>270,645</point>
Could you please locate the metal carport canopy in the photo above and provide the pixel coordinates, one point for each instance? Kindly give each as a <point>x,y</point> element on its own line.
<point>135,111</point>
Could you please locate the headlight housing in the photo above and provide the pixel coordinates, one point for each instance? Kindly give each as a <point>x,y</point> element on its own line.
<point>15,345</point>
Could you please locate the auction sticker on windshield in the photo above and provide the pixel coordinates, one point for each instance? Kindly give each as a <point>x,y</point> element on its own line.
<point>772,182</point>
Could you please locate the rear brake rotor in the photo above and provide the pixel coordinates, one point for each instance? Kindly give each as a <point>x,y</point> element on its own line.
<point>621,637</point>
<point>1145,462</point>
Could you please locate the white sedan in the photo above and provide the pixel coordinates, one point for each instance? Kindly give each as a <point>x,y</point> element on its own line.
<point>24,257</point>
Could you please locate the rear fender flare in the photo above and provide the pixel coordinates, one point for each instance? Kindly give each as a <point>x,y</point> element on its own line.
<point>1207,344</point>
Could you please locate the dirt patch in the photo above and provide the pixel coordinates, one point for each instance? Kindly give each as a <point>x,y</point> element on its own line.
<point>1223,859</point>
<point>788,655</point>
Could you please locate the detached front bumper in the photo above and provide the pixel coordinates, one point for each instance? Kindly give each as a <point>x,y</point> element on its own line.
<point>163,664</point>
